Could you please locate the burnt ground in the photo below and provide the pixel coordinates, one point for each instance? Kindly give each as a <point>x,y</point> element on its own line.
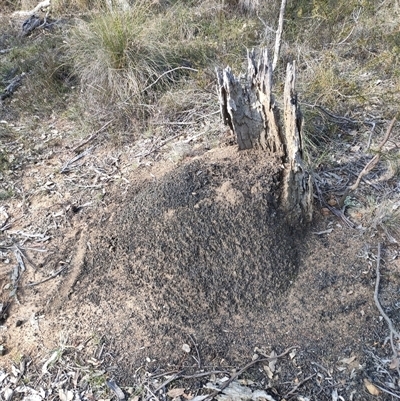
<point>199,255</point>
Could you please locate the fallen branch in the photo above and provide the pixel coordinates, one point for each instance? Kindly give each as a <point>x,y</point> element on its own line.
<point>40,7</point>
<point>12,86</point>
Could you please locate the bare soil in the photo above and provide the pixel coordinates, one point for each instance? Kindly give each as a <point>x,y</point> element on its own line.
<point>198,253</point>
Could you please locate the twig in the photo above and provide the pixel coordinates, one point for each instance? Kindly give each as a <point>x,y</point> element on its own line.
<point>178,376</point>
<point>167,72</point>
<point>65,169</point>
<point>92,136</point>
<point>155,147</point>
<point>249,365</point>
<point>393,331</point>
<point>163,384</point>
<point>198,360</point>
<point>387,391</point>
<point>373,162</point>
<point>151,394</point>
<point>48,278</point>
<point>23,255</point>
<point>370,165</point>
<point>299,384</point>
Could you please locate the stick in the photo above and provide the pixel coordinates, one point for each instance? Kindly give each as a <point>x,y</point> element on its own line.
<point>249,365</point>
<point>48,278</point>
<point>370,165</point>
<point>43,4</point>
<point>92,136</point>
<point>198,360</point>
<point>393,331</point>
<point>298,385</point>
<point>73,160</point>
<point>387,391</point>
<point>278,38</point>
<point>167,72</point>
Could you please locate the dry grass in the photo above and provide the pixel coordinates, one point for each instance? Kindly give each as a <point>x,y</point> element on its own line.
<point>125,61</point>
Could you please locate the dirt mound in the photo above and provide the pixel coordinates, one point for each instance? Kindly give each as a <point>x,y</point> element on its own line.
<point>202,254</point>
<point>193,252</point>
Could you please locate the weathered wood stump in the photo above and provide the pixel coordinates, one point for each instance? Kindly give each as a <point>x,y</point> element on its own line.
<point>249,108</point>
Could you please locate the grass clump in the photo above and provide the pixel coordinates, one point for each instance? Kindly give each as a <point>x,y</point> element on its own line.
<point>126,60</point>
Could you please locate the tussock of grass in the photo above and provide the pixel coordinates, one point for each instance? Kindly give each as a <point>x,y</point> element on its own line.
<point>126,60</point>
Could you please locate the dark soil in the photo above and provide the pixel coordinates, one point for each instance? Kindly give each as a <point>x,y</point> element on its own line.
<point>202,255</point>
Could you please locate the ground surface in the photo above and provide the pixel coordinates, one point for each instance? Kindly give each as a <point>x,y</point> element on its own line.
<point>196,253</point>
<point>158,264</point>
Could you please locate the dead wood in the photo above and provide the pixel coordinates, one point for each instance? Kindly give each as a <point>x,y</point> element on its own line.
<point>393,332</point>
<point>278,39</point>
<point>241,371</point>
<point>12,86</point>
<point>92,136</point>
<point>43,5</point>
<point>370,165</point>
<point>249,108</point>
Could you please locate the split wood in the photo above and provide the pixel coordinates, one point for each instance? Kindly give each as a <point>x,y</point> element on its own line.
<point>241,371</point>
<point>393,332</point>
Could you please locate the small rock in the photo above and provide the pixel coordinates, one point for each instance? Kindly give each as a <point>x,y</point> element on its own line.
<point>186,348</point>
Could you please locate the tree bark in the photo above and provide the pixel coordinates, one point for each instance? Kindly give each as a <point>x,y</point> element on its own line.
<point>249,108</point>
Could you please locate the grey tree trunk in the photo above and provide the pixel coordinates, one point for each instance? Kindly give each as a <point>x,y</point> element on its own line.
<point>250,110</point>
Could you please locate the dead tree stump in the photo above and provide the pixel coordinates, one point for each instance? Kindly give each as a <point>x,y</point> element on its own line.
<point>250,110</point>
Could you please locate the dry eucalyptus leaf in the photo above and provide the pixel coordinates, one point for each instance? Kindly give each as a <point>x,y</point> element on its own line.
<point>268,372</point>
<point>273,361</point>
<point>65,395</point>
<point>175,392</point>
<point>394,364</point>
<point>347,361</point>
<point>371,388</point>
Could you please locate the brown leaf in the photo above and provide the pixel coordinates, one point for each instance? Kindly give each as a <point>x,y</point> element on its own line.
<point>175,392</point>
<point>394,364</point>
<point>325,211</point>
<point>348,361</point>
<point>371,388</point>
